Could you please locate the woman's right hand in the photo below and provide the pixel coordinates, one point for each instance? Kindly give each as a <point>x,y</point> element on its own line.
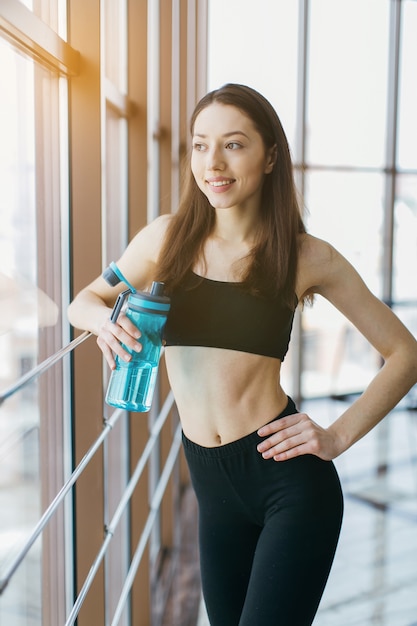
<point>112,335</point>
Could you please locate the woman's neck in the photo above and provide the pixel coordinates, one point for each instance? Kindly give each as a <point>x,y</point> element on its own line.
<point>235,230</point>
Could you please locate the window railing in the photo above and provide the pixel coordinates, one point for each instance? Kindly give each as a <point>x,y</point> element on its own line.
<point>155,497</point>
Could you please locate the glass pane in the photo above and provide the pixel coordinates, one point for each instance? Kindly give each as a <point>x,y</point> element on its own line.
<point>347,82</point>
<point>116,43</point>
<point>19,416</point>
<point>30,327</point>
<point>337,360</point>
<point>407,127</point>
<point>405,240</point>
<point>346,210</point>
<point>116,220</point>
<point>257,48</point>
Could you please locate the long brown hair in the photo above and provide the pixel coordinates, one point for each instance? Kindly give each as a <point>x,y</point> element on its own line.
<point>272,262</point>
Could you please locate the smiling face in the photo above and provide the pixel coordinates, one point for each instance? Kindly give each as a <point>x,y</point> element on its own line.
<point>229,160</point>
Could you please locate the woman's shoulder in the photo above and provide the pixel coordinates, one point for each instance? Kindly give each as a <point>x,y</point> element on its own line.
<point>151,237</point>
<point>139,259</point>
<point>317,259</point>
<point>159,226</point>
<point>314,251</point>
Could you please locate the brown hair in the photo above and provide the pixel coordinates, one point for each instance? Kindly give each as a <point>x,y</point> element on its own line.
<point>272,263</point>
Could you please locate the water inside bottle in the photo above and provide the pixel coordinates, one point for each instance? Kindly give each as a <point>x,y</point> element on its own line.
<point>131,386</point>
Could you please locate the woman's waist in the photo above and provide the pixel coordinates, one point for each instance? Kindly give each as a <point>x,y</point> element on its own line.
<point>223,394</point>
<point>248,440</point>
<point>211,417</point>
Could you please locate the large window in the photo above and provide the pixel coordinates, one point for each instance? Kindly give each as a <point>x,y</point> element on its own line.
<point>341,76</point>
<point>34,429</point>
<point>20,319</point>
<point>95,99</point>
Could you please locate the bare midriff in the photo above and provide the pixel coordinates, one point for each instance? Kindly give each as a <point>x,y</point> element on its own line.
<point>223,395</point>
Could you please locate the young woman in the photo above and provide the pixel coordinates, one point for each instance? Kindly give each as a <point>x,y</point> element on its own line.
<point>236,261</point>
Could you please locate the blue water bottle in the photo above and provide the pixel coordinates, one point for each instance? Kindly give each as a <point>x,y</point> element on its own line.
<point>132,384</point>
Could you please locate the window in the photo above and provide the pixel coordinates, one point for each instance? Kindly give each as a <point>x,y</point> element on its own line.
<point>330,69</point>
<point>258,48</point>
<point>347,84</point>
<point>33,424</point>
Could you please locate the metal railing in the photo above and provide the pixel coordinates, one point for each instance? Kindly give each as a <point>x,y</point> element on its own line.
<point>155,500</point>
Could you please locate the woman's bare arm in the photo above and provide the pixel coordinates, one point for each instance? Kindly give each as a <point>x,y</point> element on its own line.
<point>92,306</point>
<point>326,272</point>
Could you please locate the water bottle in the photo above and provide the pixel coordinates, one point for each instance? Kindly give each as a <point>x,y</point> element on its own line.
<point>132,384</point>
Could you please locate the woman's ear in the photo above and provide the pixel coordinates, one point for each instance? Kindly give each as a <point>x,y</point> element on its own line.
<point>271,157</point>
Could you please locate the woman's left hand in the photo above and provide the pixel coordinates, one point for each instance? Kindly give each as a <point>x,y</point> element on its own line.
<point>294,435</point>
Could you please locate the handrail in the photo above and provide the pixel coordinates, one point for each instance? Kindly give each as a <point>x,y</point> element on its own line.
<point>127,494</point>
<point>156,497</point>
<point>4,581</point>
<point>42,367</point>
<point>150,521</point>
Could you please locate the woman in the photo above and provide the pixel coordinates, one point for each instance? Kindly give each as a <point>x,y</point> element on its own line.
<point>236,261</point>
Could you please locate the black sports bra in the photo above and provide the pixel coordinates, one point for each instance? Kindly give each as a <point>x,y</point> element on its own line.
<point>218,314</point>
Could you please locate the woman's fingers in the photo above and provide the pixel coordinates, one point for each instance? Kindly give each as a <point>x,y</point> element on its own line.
<point>107,352</point>
<point>294,435</point>
<point>113,335</point>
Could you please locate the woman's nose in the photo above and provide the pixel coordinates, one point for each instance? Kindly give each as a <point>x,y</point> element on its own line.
<point>215,159</point>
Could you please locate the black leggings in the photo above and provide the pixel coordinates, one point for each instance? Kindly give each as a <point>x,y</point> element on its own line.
<point>268,532</point>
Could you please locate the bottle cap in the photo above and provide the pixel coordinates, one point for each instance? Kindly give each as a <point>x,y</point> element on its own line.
<point>114,276</point>
<point>157,289</point>
<point>110,277</point>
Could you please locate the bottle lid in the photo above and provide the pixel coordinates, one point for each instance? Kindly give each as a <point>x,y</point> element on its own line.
<point>157,288</point>
<point>113,276</point>
<point>110,277</point>
<point>153,301</point>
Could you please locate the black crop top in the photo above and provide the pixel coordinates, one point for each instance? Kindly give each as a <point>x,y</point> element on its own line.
<point>218,314</point>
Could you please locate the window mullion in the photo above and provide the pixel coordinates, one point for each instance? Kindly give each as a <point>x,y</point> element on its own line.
<point>27,32</point>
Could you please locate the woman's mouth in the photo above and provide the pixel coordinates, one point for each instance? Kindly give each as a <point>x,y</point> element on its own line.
<point>220,184</point>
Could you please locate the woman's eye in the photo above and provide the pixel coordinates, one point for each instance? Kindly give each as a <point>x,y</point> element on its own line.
<point>199,147</point>
<point>233,145</point>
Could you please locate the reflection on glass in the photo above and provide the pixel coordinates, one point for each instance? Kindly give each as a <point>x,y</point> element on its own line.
<point>407,127</point>
<point>347,82</point>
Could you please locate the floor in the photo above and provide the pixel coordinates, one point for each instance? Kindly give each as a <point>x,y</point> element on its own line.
<point>374,576</point>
